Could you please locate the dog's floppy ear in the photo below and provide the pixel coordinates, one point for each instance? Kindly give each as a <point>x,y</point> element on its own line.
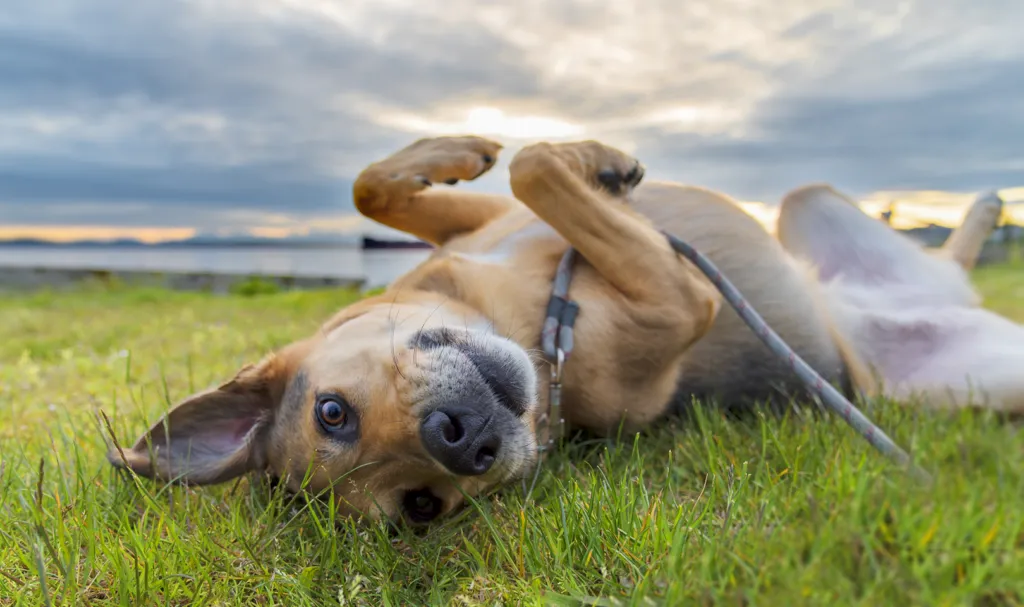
<point>212,436</point>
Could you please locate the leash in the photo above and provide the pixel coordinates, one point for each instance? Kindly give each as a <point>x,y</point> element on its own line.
<point>557,344</point>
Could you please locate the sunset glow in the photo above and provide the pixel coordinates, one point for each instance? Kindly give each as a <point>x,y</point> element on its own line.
<point>486,121</point>
<point>76,233</point>
<point>913,209</point>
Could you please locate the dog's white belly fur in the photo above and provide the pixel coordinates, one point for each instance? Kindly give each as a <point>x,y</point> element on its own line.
<point>950,356</point>
<point>502,252</point>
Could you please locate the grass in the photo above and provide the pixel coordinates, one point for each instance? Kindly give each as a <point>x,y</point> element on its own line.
<point>786,511</point>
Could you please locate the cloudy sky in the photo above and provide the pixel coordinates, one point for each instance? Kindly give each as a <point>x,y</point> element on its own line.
<point>166,116</point>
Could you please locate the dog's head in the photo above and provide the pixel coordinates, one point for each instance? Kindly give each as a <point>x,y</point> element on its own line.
<point>397,407</point>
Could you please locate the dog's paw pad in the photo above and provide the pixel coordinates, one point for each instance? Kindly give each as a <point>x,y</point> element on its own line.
<point>617,182</point>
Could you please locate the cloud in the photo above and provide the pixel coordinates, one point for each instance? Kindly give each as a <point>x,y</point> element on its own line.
<point>261,112</point>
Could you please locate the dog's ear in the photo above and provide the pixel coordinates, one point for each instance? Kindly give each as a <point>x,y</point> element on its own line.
<point>215,435</point>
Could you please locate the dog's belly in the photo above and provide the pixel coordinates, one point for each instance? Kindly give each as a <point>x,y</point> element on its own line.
<point>731,364</point>
<point>949,356</point>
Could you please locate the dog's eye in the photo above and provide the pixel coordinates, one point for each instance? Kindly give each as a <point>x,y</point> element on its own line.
<point>421,505</point>
<point>332,413</point>
<point>336,416</point>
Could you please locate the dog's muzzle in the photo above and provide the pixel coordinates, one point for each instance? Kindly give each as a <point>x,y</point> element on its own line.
<point>480,390</point>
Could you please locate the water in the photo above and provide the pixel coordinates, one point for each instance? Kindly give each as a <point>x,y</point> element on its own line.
<point>377,268</point>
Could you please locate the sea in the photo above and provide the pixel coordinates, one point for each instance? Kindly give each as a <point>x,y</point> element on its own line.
<point>377,267</point>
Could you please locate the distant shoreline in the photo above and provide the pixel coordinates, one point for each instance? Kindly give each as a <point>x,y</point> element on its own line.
<point>30,278</point>
<point>205,266</point>
<point>305,244</point>
<point>361,242</point>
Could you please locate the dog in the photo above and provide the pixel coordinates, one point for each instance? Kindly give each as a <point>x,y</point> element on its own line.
<point>407,401</point>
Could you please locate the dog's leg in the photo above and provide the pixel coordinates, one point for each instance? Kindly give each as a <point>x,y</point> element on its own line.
<point>964,245</point>
<point>651,305</point>
<point>910,316</point>
<point>396,191</point>
<point>580,189</point>
<point>819,225</point>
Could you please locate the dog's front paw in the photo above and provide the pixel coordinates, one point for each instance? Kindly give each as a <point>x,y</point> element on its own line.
<point>445,159</point>
<point>424,163</point>
<point>598,165</point>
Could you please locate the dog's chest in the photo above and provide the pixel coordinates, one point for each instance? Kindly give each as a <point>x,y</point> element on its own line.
<point>504,271</point>
<point>503,243</point>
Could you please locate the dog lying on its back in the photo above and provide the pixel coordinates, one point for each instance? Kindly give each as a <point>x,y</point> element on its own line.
<point>405,400</point>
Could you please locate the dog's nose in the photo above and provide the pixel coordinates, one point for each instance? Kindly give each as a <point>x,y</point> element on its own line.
<point>464,441</point>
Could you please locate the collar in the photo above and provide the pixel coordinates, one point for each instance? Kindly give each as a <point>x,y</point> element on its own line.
<point>556,341</point>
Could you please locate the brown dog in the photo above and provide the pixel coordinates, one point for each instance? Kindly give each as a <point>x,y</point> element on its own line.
<point>405,400</point>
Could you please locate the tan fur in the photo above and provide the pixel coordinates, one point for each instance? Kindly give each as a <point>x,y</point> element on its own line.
<point>650,322</point>
<point>965,243</point>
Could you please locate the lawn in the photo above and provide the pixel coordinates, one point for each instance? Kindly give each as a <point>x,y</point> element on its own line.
<point>787,511</point>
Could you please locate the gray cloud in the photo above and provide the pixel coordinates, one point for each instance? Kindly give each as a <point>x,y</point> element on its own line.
<point>963,136</point>
<point>201,113</point>
<point>257,185</point>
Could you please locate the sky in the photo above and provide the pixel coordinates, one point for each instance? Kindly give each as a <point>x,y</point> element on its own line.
<point>162,119</point>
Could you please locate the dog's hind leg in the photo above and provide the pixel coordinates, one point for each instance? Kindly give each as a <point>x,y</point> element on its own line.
<point>910,316</point>
<point>821,226</point>
<point>964,245</point>
<point>397,191</point>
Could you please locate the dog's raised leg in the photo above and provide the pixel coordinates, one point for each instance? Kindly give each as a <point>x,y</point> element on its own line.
<point>397,191</point>
<point>662,304</point>
<point>579,190</point>
<point>818,224</point>
<point>964,245</point>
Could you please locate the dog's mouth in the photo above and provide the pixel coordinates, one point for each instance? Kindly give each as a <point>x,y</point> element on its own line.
<point>421,506</point>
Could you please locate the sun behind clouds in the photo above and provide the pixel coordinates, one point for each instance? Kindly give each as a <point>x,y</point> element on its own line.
<point>488,121</point>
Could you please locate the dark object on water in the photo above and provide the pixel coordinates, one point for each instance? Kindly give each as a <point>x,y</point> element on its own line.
<point>375,243</point>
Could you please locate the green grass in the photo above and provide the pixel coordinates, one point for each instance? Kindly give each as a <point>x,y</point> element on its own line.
<point>787,511</point>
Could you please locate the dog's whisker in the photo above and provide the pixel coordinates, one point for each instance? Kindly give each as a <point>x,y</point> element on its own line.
<point>394,354</point>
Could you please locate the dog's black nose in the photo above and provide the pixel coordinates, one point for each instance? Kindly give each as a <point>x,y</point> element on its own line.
<point>463,440</point>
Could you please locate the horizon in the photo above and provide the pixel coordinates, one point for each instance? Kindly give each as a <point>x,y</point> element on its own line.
<point>913,209</point>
